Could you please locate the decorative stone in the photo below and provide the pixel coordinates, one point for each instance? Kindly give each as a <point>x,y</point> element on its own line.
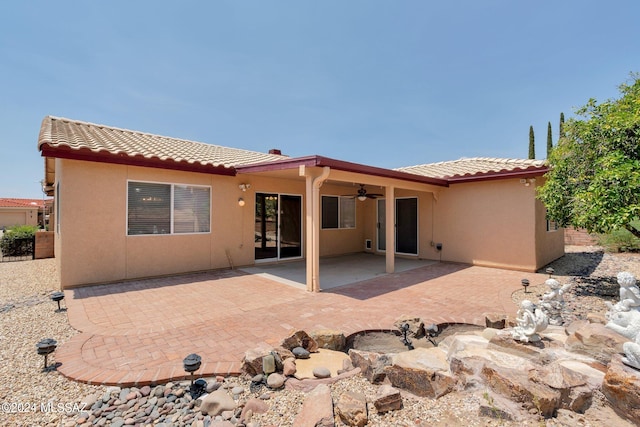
<point>215,403</point>
<point>275,380</point>
<point>212,386</point>
<point>621,386</point>
<point>300,353</point>
<point>289,367</point>
<point>329,339</point>
<point>596,341</point>
<point>317,409</point>
<point>388,398</point>
<point>352,409</point>
<point>268,364</point>
<point>321,372</point>
<point>372,364</point>
<point>495,320</point>
<point>330,359</point>
<point>256,406</point>
<point>416,326</point>
<point>300,339</point>
<point>252,361</point>
<point>237,390</point>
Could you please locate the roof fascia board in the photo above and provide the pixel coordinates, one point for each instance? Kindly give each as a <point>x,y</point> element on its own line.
<point>124,159</point>
<point>491,176</point>
<point>320,161</point>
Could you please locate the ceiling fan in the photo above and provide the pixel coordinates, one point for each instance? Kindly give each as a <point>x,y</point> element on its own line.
<point>363,195</point>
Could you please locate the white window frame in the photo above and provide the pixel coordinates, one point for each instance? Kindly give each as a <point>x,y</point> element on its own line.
<point>340,212</point>
<point>172,186</point>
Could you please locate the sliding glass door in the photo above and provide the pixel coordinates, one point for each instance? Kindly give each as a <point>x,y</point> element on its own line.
<point>278,226</point>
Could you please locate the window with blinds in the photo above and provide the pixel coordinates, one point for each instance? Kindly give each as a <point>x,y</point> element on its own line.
<point>155,208</point>
<point>338,212</point>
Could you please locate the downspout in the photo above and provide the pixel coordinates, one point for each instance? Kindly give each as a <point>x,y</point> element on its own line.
<point>315,221</point>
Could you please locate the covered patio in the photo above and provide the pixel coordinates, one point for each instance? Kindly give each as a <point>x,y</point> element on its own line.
<point>336,271</point>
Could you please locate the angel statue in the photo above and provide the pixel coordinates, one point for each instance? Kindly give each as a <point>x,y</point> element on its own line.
<point>629,295</point>
<point>530,321</point>
<point>552,302</point>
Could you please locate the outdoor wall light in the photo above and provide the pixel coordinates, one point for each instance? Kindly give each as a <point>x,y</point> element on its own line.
<point>241,201</point>
<point>57,297</point>
<point>45,347</point>
<point>244,187</point>
<point>525,283</point>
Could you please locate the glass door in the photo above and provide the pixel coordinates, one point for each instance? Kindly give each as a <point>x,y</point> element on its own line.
<point>278,226</point>
<point>406,227</point>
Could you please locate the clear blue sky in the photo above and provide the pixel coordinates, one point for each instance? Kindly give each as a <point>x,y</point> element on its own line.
<point>380,82</point>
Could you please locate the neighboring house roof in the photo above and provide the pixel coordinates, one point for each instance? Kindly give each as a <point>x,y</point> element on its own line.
<point>21,203</point>
<point>60,137</point>
<point>477,168</point>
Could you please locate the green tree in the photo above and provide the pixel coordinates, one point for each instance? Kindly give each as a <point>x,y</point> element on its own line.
<point>532,144</point>
<point>561,130</point>
<point>594,176</point>
<point>549,140</point>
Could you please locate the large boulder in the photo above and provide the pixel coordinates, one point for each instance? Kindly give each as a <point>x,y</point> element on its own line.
<point>388,398</point>
<point>423,372</point>
<point>596,341</point>
<point>621,386</point>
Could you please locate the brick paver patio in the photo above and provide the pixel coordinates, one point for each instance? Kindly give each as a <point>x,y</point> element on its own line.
<point>138,333</point>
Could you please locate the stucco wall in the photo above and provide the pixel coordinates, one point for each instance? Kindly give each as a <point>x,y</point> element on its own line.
<point>490,223</point>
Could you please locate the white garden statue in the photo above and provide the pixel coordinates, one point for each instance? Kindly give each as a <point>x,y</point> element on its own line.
<point>552,302</point>
<point>530,322</point>
<point>624,318</point>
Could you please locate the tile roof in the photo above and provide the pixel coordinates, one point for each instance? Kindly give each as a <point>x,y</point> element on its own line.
<point>476,166</point>
<point>61,133</point>
<point>21,203</point>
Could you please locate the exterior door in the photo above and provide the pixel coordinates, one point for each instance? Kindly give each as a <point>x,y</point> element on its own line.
<point>406,227</point>
<point>278,226</point>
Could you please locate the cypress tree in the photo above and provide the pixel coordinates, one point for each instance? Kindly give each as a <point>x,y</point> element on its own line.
<point>549,140</point>
<point>532,144</point>
<point>561,133</point>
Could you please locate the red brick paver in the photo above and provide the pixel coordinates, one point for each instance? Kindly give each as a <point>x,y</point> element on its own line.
<point>138,333</point>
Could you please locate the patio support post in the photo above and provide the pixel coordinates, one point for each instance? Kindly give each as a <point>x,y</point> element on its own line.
<point>313,217</point>
<point>390,228</point>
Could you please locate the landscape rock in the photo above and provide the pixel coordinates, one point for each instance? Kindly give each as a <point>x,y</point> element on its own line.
<point>301,353</point>
<point>387,399</point>
<point>300,339</point>
<point>495,320</point>
<point>416,326</point>
<point>621,386</point>
<point>596,341</point>
<point>252,361</point>
<point>334,361</point>
<point>215,403</point>
<point>352,409</point>
<point>423,372</point>
<point>321,372</point>
<point>275,380</point>
<point>329,339</point>
<point>372,364</point>
<point>289,367</point>
<point>317,409</point>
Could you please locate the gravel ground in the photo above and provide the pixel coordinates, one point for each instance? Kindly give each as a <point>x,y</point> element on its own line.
<point>30,396</point>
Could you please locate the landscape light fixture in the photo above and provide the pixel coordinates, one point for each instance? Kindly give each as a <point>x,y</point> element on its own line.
<point>45,347</point>
<point>550,271</point>
<point>57,297</point>
<point>525,283</point>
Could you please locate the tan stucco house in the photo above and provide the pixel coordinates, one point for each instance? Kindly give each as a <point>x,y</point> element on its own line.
<point>14,211</point>
<point>129,205</point>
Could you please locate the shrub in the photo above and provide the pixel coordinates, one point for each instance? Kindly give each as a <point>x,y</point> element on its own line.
<point>8,244</point>
<point>621,240</point>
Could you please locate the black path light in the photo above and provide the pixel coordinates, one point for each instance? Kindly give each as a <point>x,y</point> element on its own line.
<point>45,347</point>
<point>191,364</point>
<point>550,271</point>
<point>404,328</point>
<point>525,283</point>
<point>57,297</point>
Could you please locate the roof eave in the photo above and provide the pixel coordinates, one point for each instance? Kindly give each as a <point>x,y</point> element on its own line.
<point>85,154</point>
<point>321,161</point>
<point>489,176</point>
